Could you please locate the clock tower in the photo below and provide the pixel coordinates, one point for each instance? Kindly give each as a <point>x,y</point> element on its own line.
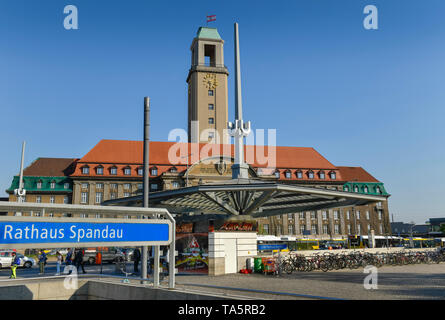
<point>207,88</point>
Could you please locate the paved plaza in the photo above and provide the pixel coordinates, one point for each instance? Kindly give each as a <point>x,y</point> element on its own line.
<point>422,281</point>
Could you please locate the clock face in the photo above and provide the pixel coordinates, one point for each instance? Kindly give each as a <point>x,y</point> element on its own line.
<point>210,81</point>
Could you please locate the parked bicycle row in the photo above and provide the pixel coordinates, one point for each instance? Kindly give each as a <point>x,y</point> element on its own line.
<point>336,261</point>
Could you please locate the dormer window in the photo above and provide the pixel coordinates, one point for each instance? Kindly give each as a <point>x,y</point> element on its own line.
<point>377,190</point>
<point>321,175</point>
<point>173,170</point>
<point>277,174</point>
<point>154,171</point>
<point>300,174</point>
<point>288,174</point>
<point>85,170</point>
<point>310,174</point>
<point>356,189</point>
<point>127,171</point>
<point>99,170</point>
<point>66,185</point>
<point>365,189</point>
<point>346,188</point>
<point>113,170</point>
<point>39,184</point>
<point>332,175</point>
<point>140,171</point>
<point>53,184</point>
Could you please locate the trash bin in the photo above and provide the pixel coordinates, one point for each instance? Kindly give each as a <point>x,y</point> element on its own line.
<point>258,265</point>
<point>249,263</point>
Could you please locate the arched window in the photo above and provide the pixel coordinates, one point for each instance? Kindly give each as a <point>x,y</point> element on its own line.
<point>356,189</point>
<point>321,174</point>
<point>310,174</point>
<point>85,170</point>
<point>377,190</point>
<point>288,174</point>
<point>100,170</point>
<point>113,170</point>
<point>277,174</point>
<point>173,170</point>
<point>299,174</point>
<point>332,175</point>
<point>365,189</point>
<point>346,188</point>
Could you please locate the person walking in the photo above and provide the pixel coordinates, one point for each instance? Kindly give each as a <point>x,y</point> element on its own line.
<point>78,260</point>
<point>14,264</point>
<point>42,261</point>
<point>59,262</point>
<point>136,259</point>
<point>69,257</point>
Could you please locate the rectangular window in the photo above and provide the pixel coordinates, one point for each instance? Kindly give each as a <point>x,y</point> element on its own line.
<point>367,215</point>
<point>100,171</point>
<point>127,171</point>
<point>381,229</point>
<point>99,197</point>
<point>313,216</point>
<point>98,216</point>
<point>65,200</point>
<point>349,229</point>
<point>154,172</point>
<point>154,186</point>
<point>301,215</point>
<point>38,199</point>
<point>325,229</point>
<point>175,184</point>
<point>347,215</point>
<point>357,214</point>
<point>50,214</point>
<point>287,174</point>
<point>52,199</point>
<point>369,228</point>
<point>113,195</point>
<point>211,106</point>
<point>126,194</point>
<point>380,215</point>
<point>113,186</point>
<point>113,171</point>
<point>140,186</point>
<point>266,228</point>
<point>84,197</point>
<point>210,93</point>
<point>53,185</point>
<point>99,185</point>
<point>39,185</point>
<point>324,215</point>
<point>66,185</point>
<point>140,171</point>
<point>302,228</point>
<point>359,229</point>
<point>85,170</point>
<point>299,174</point>
<point>84,185</point>
<point>335,215</point>
<point>127,186</point>
<point>314,229</point>
<point>211,120</point>
<point>336,229</point>
<point>290,229</point>
<point>83,215</point>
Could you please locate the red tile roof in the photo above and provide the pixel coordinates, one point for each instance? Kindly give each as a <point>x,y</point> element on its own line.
<point>356,174</point>
<point>50,167</point>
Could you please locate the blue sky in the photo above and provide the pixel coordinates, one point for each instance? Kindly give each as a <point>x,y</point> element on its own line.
<point>370,98</point>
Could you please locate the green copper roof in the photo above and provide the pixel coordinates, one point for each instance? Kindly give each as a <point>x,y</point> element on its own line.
<point>366,188</point>
<point>208,33</point>
<point>30,184</point>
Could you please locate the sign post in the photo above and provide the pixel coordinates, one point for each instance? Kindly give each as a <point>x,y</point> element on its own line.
<point>45,232</point>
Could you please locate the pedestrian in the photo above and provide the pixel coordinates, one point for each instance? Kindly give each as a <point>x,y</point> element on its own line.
<point>42,261</point>
<point>78,260</point>
<point>59,262</point>
<point>69,257</point>
<point>136,259</point>
<point>14,264</point>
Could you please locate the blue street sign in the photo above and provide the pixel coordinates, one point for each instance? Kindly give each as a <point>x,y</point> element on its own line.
<point>75,232</point>
<point>272,246</point>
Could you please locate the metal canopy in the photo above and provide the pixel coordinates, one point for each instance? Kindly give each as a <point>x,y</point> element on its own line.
<point>249,197</point>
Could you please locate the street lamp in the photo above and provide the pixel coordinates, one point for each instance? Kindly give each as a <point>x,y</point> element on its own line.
<point>187,171</point>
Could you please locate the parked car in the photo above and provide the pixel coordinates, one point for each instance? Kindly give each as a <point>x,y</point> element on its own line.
<point>108,256</point>
<point>6,259</point>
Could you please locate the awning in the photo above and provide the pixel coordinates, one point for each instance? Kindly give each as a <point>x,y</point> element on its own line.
<point>249,197</point>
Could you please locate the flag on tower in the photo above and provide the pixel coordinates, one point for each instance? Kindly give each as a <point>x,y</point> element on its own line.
<point>211,18</point>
